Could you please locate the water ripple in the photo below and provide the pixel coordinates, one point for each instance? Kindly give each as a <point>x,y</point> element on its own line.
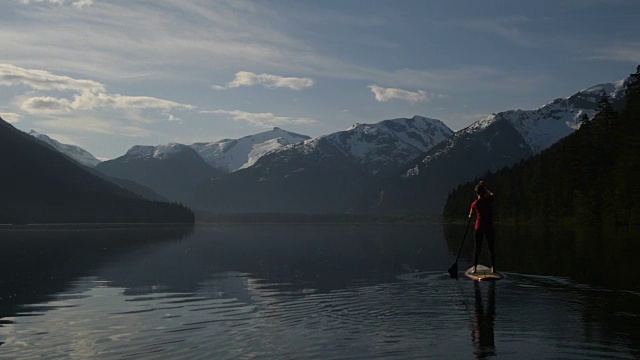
<point>409,317</point>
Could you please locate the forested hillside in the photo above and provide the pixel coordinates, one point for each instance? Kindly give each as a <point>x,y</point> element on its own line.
<point>41,185</point>
<point>591,176</point>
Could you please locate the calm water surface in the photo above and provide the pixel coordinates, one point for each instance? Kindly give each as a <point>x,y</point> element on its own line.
<point>314,291</point>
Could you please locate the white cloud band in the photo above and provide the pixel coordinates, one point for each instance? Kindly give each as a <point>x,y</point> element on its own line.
<point>11,75</point>
<point>89,94</point>
<point>246,78</point>
<point>89,101</point>
<point>78,3</point>
<point>386,94</point>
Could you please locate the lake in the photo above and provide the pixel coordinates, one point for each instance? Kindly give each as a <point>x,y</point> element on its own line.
<point>315,291</point>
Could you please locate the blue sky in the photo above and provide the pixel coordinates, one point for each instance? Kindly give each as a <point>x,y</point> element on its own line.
<point>110,74</point>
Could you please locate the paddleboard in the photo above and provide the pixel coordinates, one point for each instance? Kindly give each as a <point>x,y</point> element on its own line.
<point>482,273</point>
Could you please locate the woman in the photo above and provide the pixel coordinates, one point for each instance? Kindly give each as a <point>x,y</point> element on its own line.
<point>483,207</point>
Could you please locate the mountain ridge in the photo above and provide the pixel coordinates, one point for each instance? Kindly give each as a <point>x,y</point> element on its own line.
<point>171,170</point>
<point>73,151</point>
<point>323,174</point>
<point>489,144</point>
<point>230,155</point>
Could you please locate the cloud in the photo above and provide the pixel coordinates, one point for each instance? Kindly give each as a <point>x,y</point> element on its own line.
<point>92,125</point>
<point>386,94</point>
<point>11,118</point>
<point>246,78</point>
<point>54,2</point>
<point>89,95</point>
<point>628,52</point>
<point>506,28</point>
<point>262,119</point>
<point>127,40</point>
<point>78,3</point>
<point>11,75</point>
<point>91,101</point>
<point>173,118</point>
<point>84,106</point>
<point>82,3</point>
<point>46,105</point>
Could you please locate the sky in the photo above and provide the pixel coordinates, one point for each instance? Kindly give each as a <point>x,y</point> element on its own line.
<point>110,74</point>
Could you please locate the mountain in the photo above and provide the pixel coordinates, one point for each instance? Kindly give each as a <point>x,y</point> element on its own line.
<point>588,177</point>
<point>496,141</point>
<point>230,155</point>
<point>41,185</point>
<point>324,174</point>
<point>171,170</point>
<point>84,158</point>
<point>75,152</point>
<point>132,186</point>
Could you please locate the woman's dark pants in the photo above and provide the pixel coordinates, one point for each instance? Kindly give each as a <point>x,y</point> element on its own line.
<point>490,234</point>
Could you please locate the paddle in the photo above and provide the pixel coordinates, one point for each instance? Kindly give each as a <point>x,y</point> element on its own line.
<point>453,270</point>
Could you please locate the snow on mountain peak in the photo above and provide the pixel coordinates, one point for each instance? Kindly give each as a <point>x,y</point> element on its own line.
<point>381,145</point>
<point>230,155</point>
<point>483,123</point>
<point>75,152</point>
<point>157,152</point>
<point>544,126</point>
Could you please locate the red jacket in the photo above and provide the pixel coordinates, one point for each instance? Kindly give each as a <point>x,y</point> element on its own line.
<point>483,207</point>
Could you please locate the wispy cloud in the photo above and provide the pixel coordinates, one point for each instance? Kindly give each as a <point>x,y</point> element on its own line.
<point>386,94</point>
<point>261,119</point>
<point>91,125</point>
<point>89,94</point>
<point>54,2</point>
<point>11,75</point>
<point>627,52</point>
<point>507,28</point>
<point>11,118</point>
<point>246,78</point>
<point>62,103</point>
<point>91,101</point>
<point>77,3</point>
<point>133,40</point>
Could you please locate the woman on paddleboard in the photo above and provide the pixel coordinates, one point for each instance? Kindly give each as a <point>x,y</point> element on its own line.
<point>483,207</point>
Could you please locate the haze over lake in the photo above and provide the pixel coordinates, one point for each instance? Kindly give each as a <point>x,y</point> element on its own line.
<point>313,291</point>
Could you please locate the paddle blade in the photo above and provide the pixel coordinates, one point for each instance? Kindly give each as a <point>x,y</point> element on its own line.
<point>453,271</point>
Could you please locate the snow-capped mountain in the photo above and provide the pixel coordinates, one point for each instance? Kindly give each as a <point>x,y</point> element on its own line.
<point>542,127</point>
<point>75,152</point>
<point>171,170</point>
<point>380,146</point>
<point>232,154</point>
<point>489,144</point>
<point>160,152</point>
<point>323,174</point>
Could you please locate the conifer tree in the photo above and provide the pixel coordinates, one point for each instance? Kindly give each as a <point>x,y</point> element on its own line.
<point>633,92</point>
<point>605,116</point>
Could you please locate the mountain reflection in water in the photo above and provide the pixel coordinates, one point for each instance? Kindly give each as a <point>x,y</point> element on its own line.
<point>299,291</point>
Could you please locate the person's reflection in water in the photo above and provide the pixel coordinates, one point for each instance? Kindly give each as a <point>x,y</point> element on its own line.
<point>482,334</point>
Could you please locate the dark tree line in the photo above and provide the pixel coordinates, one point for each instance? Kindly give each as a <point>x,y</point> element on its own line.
<point>591,176</point>
<point>91,208</point>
